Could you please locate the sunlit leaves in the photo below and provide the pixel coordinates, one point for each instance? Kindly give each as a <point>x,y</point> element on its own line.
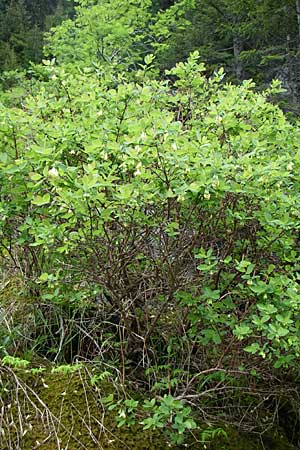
<point>192,185</point>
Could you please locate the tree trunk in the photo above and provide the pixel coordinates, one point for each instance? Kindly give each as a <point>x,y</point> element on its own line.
<point>298,17</point>
<point>237,49</point>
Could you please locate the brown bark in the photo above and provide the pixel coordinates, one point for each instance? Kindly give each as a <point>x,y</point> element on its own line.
<point>298,17</point>
<point>237,49</point>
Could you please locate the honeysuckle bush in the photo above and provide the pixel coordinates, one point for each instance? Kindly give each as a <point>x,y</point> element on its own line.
<point>107,33</point>
<point>172,205</point>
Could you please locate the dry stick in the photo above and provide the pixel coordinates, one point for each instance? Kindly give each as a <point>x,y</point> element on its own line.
<point>122,335</point>
<point>15,144</point>
<point>12,257</point>
<point>19,412</point>
<point>18,383</point>
<point>60,412</point>
<point>1,418</point>
<point>86,402</point>
<point>9,436</point>
<point>156,318</point>
<point>106,430</point>
<point>2,423</point>
<point>62,337</point>
<point>90,337</point>
<point>93,437</point>
<point>6,323</point>
<point>71,433</point>
<point>43,442</point>
<point>203,372</point>
<point>102,427</point>
<point>88,426</point>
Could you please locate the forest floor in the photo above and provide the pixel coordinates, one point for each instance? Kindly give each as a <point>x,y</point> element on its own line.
<point>60,411</point>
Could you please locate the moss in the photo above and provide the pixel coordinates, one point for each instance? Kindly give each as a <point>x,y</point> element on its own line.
<point>67,409</point>
<point>77,417</point>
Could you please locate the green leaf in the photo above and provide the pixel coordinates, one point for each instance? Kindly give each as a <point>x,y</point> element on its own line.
<point>253,348</point>
<point>41,200</point>
<point>242,331</point>
<point>44,276</point>
<point>35,176</point>
<point>107,400</point>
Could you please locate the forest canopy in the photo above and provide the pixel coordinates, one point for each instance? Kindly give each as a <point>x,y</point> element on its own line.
<point>250,39</point>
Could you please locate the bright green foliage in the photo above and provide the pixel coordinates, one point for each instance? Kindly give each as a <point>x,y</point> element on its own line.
<point>103,33</point>
<point>171,414</point>
<point>15,362</point>
<point>67,369</point>
<point>192,189</point>
<point>167,413</point>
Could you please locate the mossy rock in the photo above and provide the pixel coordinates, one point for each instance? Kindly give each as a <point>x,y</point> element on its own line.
<point>65,408</point>
<point>61,411</point>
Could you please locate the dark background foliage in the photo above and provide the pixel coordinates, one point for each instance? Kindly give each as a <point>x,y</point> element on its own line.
<point>251,39</point>
<point>22,23</point>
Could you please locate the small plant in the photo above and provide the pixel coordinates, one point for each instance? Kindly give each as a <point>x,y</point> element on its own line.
<point>37,370</point>
<point>209,434</point>
<point>167,413</point>
<point>171,414</point>
<point>97,378</point>
<point>126,410</point>
<point>15,362</point>
<point>67,369</point>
